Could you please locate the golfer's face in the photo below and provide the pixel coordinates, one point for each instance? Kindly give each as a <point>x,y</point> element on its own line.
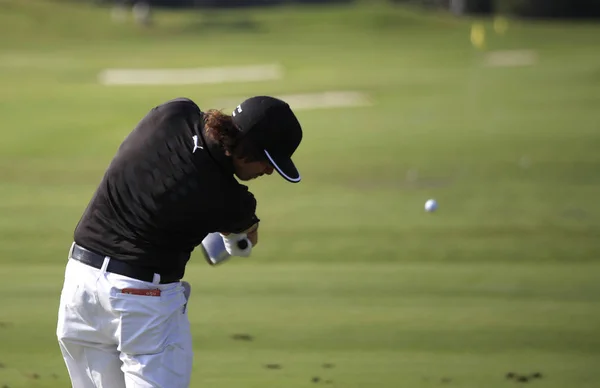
<point>251,170</point>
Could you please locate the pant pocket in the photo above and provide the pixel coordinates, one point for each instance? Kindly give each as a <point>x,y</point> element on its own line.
<point>146,323</point>
<point>157,354</point>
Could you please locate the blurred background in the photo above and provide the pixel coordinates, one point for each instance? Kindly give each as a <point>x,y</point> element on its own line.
<point>491,108</point>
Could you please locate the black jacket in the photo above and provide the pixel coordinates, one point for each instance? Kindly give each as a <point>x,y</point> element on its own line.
<point>164,191</point>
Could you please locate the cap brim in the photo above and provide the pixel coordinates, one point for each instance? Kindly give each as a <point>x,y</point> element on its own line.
<point>285,167</point>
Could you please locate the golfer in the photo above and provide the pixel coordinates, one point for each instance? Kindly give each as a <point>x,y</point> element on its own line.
<point>122,320</point>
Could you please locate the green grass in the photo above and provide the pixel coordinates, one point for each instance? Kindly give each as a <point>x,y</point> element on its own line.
<point>387,324</point>
<point>350,270</point>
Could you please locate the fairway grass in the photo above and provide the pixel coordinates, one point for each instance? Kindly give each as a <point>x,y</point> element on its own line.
<point>350,270</point>
<point>386,325</point>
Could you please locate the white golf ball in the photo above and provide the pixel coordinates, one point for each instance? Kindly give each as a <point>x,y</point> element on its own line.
<point>431,205</point>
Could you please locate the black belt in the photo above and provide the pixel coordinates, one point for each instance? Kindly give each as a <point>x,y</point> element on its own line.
<point>115,266</point>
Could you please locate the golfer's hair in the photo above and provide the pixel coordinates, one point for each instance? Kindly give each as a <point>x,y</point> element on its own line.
<point>219,127</point>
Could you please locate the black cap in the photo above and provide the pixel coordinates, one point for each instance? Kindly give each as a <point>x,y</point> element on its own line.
<point>272,125</point>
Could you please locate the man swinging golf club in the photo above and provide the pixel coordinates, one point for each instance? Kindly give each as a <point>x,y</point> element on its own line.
<point>170,188</point>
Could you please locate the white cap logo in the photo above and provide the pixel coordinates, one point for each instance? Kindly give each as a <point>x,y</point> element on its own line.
<point>237,110</point>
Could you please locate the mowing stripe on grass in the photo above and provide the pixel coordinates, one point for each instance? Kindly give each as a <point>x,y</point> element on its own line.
<point>190,76</point>
<point>511,58</point>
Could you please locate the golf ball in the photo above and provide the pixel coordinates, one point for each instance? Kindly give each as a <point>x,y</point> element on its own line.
<point>431,205</point>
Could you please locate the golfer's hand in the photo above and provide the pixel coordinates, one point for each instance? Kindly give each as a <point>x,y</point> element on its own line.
<point>251,233</point>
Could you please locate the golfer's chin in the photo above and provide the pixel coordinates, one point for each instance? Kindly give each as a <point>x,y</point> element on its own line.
<point>247,178</point>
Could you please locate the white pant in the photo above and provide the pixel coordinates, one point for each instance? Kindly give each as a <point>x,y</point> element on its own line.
<point>114,340</point>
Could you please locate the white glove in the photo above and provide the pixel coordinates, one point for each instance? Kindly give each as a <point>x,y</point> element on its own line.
<point>232,246</point>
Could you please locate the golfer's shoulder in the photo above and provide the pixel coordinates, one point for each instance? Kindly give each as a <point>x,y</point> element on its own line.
<point>178,106</point>
<point>182,103</point>
<point>241,195</point>
<point>228,191</point>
